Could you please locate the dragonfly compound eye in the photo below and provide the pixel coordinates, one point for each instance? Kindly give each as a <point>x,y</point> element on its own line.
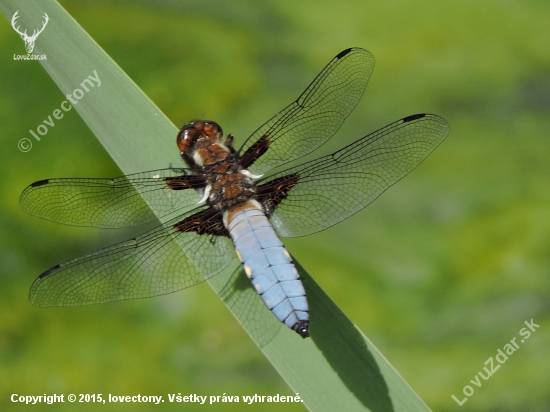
<point>212,130</point>
<point>186,137</point>
<point>194,130</point>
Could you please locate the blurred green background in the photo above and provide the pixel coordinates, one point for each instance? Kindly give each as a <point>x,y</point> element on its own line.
<point>439,273</point>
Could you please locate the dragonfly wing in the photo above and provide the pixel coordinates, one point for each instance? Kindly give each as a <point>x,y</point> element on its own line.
<point>320,193</point>
<point>314,117</point>
<point>175,255</point>
<point>241,298</point>
<point>112,203</point>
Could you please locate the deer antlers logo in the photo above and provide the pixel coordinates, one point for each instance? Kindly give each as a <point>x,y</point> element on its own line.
<point>29,40</point>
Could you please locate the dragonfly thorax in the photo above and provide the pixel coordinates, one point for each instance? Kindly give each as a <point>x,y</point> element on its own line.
<point>204,148</point>
<point>231,188</point>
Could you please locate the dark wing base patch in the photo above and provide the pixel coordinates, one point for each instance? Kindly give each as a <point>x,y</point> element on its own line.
<point>185,182</point>
<point>254,152</point>
<point>205,222</point>
<point>272,193</point>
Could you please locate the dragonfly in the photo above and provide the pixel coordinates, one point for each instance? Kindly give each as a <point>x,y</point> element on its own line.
<point>227,200</point>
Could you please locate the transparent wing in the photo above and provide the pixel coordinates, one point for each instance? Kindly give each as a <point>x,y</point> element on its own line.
<point>163,260</point>
<point>111,203</point>
<point>316,115</point>
<point>241,297</point>
<point>334,187</point>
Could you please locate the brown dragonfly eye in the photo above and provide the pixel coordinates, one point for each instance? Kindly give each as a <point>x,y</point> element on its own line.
<point>193,131</point>
<point>186,137</point>
<point>212,130</point>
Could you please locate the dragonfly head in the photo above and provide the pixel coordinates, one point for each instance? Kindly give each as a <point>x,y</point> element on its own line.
<point>196,130</point>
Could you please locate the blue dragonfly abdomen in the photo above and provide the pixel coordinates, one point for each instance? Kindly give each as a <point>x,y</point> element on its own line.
<point>269,266</point>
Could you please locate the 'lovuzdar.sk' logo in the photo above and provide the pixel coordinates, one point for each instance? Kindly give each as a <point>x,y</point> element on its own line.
<point>28,39</point>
